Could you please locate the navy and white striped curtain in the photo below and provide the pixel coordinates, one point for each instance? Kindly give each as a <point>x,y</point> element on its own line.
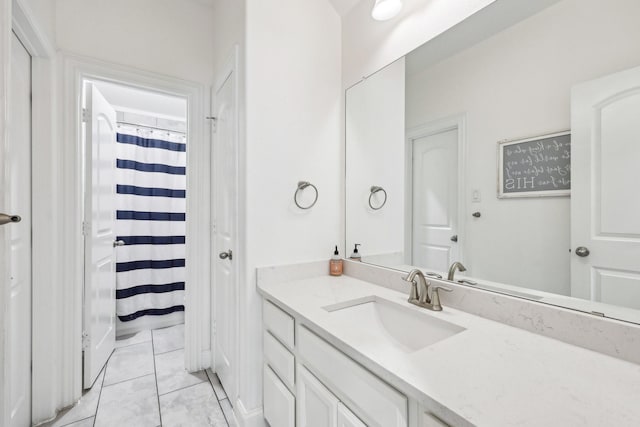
<point>150,203</point>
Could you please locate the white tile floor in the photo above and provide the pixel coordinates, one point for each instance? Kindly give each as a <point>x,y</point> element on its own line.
<point>145,384</point>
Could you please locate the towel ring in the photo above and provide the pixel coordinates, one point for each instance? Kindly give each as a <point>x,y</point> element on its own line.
<point>374,190</point>
<point>301,186</point>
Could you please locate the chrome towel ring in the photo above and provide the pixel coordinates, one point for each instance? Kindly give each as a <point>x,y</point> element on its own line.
<point>374,190</point>
<point>301,186</point>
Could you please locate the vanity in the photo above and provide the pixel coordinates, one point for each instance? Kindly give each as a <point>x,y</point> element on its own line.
<point>499,159</point>
<point>342,351</point>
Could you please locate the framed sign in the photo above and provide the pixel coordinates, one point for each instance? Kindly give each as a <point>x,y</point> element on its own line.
<point>535,167</point>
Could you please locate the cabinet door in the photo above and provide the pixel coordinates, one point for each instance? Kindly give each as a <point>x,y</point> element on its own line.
<point>316,405</point>
<point>279,404</point>
<point>430,420</point>
<point>346,418</point>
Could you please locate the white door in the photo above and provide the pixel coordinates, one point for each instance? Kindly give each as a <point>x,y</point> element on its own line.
<point>100,235</point>
<point>16,239</point>
<point>605,205</point>
<point>316,406</point>
<point>224,234</point>
<point>435,200</point>
<point>346,418</point>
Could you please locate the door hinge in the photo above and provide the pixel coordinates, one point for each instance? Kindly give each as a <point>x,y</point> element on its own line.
<point>85,228</point>
<point>85,115</point>
<point>86,340</point>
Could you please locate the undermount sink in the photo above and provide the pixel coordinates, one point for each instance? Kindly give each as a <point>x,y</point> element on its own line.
<point>374,321</point>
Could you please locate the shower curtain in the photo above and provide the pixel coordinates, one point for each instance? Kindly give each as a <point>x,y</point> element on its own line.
<point>150,219</point>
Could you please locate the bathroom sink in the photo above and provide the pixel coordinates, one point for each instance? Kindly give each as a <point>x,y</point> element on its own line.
<point>374,321</point>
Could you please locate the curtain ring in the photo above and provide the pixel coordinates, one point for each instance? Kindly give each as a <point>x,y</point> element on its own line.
<point>301,186</point>
<point>374,190</point>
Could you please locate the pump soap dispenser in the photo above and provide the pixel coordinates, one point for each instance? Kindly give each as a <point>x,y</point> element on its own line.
<point>335,265</point>
<point>355,255</point>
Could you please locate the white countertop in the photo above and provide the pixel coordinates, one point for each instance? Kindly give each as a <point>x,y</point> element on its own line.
<point>489,375</point>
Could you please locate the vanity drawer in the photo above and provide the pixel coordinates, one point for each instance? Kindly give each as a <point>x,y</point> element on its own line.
<point>375,401</point>
<point>279,323</point>
<point>279,359</point>
<point>279,404</point>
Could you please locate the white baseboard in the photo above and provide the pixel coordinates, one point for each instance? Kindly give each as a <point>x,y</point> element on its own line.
<point>246,418</point>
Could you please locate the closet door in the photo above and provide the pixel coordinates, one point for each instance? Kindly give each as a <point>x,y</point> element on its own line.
<point>99,334</point>
<point>16,238</point>
<point>316,405</point>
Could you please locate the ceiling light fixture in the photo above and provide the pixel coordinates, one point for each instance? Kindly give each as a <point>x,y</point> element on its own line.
<point>385,9</point>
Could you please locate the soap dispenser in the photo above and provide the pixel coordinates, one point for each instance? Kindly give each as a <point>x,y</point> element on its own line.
<point>356,255</point>
<point>335,264</point>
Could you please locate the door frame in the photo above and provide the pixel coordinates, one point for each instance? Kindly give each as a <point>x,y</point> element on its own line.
<point>16,16</point>
<point>457,122</point>
<point>230,66</point>
<point>75,69</point>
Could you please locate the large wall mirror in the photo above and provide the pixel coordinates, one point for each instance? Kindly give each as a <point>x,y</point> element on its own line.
<point>510,143</point>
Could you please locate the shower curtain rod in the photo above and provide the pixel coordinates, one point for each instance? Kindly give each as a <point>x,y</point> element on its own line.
<point>151,127</point>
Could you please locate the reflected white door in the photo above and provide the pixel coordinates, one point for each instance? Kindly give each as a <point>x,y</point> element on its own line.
<point>435,200</point>
<point>16,238</point>
<point>100,235</point>
<point>605,207</point>
<point>224,238</point>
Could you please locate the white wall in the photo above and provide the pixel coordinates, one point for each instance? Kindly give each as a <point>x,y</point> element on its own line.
<point>368,45</point>
<point>517,84</point>
<point>170,37</point>
<point>375,156</point>
<point>293,133</point>
<point>43,12</point>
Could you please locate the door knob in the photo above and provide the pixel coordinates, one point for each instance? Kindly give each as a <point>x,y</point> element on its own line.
<point>6,219</point>
<point>118,243</point>
<point>581,251</point>
<point>454,238</point>
<point>225,255</point>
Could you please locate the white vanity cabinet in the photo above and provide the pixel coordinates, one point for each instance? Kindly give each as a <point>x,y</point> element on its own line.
<point>310,383</point>
<point>316,406</point>
<point>279,404</point>
<point>346,418</point>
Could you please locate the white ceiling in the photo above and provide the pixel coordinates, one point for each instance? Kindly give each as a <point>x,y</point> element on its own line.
<point>344,6</point>
<point>132,100</point>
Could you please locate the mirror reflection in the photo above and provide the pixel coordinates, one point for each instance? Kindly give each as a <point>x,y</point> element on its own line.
<point>509,144</point>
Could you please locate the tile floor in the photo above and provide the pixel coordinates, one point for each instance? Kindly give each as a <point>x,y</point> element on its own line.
<point>145,384</point>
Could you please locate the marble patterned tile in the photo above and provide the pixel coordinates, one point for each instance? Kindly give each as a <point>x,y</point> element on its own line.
<point>227,409</point>
<point>137,338</point>
<point>85,408</point>
<point>129,362</point>
<point>217,385</point>
<point>129,403</point>
<point>171,374</point>
<point>168,339</point>
<point>192,406</point>
<point>87,422</point>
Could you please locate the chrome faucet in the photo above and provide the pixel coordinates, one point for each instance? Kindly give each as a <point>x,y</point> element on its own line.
<point>452,270</point>
<point>427,296</point>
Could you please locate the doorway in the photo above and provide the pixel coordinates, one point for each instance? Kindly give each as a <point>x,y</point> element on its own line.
<point>135,144</point>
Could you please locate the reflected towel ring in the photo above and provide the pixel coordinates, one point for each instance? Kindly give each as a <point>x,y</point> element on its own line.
<point>374,190</point>
<point>301,186</point>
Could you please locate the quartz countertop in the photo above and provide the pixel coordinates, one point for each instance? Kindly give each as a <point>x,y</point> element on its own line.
<point>490,374</point>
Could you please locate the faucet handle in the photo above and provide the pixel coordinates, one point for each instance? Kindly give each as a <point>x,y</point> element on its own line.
<point>413,295</point>
<point>435,296</point>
